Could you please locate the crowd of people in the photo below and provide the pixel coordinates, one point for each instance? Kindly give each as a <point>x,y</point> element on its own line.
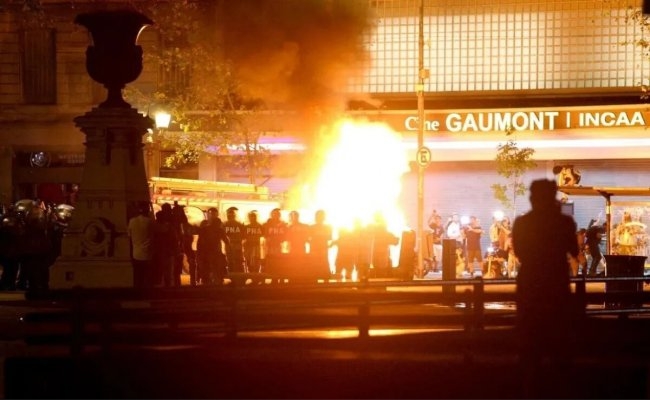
<point>498,260</point>
<point>165,243</point>
<point>30,241</point>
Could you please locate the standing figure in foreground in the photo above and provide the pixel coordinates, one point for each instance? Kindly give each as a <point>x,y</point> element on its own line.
<point>543,239</point>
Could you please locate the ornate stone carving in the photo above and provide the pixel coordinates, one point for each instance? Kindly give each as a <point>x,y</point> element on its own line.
<point>114,59</point>
<point>97,239</point>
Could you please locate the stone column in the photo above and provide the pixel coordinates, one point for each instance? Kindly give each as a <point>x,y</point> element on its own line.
<point>96,249</point>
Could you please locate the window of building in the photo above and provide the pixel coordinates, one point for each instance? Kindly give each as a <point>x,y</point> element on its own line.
<point>504,45</point>
<point>174,73</point>
<point>41,159</point>
<point>39,66</point>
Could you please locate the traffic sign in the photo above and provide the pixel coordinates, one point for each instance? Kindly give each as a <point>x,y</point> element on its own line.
<point>423,156</point>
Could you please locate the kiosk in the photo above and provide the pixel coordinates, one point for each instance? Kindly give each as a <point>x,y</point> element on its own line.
<point>607,193</point>
<point>629,259</point>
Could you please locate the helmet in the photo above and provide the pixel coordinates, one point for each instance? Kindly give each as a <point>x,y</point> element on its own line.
<point>25,205</point>
<point>63,212</point>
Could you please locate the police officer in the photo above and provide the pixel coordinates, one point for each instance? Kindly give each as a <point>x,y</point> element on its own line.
<point>235,232</point>
<point>274,231</point>
<point>252,243</point>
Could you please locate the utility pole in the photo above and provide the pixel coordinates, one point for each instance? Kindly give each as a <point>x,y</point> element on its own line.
<point>423,155</point>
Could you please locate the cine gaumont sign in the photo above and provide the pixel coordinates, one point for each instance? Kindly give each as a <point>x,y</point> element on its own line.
<point>494,121</point>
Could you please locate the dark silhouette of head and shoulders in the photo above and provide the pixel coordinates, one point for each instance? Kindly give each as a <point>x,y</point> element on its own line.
<point>544,236</point>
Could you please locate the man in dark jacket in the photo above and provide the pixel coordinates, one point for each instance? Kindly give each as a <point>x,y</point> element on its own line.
<point>542,240</point>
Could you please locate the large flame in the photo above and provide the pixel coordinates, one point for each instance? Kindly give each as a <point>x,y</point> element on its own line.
<point>361,176</point>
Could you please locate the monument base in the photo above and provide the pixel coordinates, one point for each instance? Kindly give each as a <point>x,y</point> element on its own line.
<point>66,274</point>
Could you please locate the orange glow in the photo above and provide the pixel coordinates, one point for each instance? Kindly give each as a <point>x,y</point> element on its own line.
<point>361,175</point>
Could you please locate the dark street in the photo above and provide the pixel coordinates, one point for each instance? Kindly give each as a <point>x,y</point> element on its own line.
<point>294,360</point>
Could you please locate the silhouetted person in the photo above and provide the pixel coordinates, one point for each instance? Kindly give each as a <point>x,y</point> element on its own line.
<point>166,246</point>
<point>381,239</point>
<point>320,239</point>
<point>209,254</point>
<point>179,224</point>
<point>235,231</point>
<point>542,240</point>
<point>297,235</point>
<point>37,250</point>
<point>140,229</point>
<point>189,231</point>
<point>274,231</point>
<point>12,230</point>
<point>594,236</point>
<point>252,243</point>
<point>346,252</point>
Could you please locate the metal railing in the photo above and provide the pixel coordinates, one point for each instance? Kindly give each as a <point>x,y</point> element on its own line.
<point>112,316</point>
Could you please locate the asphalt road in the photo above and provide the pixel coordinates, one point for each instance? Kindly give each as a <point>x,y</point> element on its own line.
<point>609,361</point>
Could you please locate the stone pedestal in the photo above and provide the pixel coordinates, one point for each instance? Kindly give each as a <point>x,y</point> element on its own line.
<point>96,248</point>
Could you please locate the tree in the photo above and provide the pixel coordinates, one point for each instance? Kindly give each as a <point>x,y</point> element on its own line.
<point>512,163</point>
<point>197,87</point>
<point>635,15</point>
<point>226,66</point>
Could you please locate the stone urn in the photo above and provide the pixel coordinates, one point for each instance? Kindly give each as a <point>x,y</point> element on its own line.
<point>113,59</point>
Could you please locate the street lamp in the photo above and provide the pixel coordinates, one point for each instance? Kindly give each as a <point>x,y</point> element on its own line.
<point>162,120</point>
<point>423,153</point>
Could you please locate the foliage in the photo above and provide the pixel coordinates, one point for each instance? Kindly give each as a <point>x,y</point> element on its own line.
<point>512,163</point>
<point>199,91</point>
<point>635,15</point>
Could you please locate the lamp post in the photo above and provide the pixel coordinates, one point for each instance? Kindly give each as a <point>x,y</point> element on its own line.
<point>423,154</point>
<point>162,120</point>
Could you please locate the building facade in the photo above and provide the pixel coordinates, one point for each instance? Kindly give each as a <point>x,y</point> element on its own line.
<point>564,75</point>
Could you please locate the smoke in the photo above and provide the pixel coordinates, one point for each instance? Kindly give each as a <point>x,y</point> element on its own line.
<point>296,54</point>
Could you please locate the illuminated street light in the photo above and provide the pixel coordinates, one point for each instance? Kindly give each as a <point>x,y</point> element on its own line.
<point>162,119</point>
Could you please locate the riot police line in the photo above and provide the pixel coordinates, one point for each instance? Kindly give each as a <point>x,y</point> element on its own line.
<point>30,242</point>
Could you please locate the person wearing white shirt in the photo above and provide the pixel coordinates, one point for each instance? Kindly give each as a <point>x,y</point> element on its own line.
<point>453,229</point>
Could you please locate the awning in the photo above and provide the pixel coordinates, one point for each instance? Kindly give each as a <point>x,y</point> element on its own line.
<point>604,191</point>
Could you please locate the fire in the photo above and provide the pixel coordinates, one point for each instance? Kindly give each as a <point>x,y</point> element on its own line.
<point>360,177</point>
